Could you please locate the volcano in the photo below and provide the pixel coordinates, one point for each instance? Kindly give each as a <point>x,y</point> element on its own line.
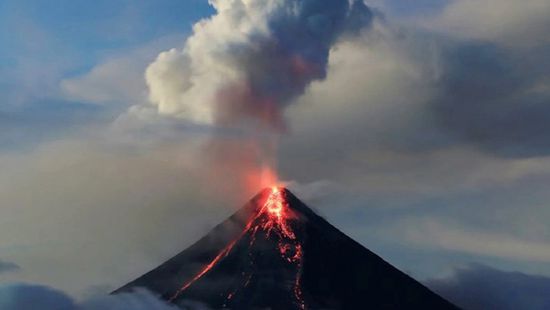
<point>276,253</point>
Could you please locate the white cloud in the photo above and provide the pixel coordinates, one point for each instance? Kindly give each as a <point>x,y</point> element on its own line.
<point>100,204</point>
<point>510,22</point>
<point>20,296</point>
<point>478,287</point>
<point>248,61</point>
<point>442,234</point>
<point>119,78</point>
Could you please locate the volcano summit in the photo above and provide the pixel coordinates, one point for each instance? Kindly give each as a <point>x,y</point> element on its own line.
<point>276,253</point>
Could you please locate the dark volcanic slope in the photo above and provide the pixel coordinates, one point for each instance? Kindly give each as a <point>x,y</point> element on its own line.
<point>317,267</point>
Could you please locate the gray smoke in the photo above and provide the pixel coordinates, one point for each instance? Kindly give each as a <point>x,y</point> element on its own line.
<point>240,68</point>
<point>248,61</point>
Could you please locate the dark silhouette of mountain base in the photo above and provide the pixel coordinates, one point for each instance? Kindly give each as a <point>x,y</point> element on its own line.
<point>282,256</point>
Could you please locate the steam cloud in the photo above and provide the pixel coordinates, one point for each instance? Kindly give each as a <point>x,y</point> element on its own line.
<point>247,62</point>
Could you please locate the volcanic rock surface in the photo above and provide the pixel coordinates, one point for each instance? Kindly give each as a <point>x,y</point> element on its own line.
<point>276,253</point>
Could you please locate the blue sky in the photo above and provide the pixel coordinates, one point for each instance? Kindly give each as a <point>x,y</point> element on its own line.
<point>43,43</point>
<point>427,141</point>
<point>88,30</point>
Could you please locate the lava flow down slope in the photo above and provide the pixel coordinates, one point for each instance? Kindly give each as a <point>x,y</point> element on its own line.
<point>276,253</point>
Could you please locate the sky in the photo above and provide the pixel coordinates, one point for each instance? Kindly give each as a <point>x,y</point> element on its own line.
<point>420,130</point>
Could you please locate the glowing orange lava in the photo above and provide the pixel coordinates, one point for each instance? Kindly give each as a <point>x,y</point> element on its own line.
<point>273,217</point>
<point>289,247</point>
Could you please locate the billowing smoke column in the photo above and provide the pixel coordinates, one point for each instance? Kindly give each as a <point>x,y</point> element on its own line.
<point>244,65</point>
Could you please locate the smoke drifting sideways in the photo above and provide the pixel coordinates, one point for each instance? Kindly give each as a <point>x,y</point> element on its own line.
<point>241,67</point>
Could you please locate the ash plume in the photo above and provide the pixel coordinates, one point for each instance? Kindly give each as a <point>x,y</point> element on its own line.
<point>241,67</point>
<point>249,60</point>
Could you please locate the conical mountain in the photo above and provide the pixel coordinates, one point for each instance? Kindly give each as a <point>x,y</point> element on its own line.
<point>276,253</point>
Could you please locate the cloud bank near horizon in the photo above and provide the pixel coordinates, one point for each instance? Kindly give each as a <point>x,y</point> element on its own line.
<point>22,296</point>
<point>479,287</point>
